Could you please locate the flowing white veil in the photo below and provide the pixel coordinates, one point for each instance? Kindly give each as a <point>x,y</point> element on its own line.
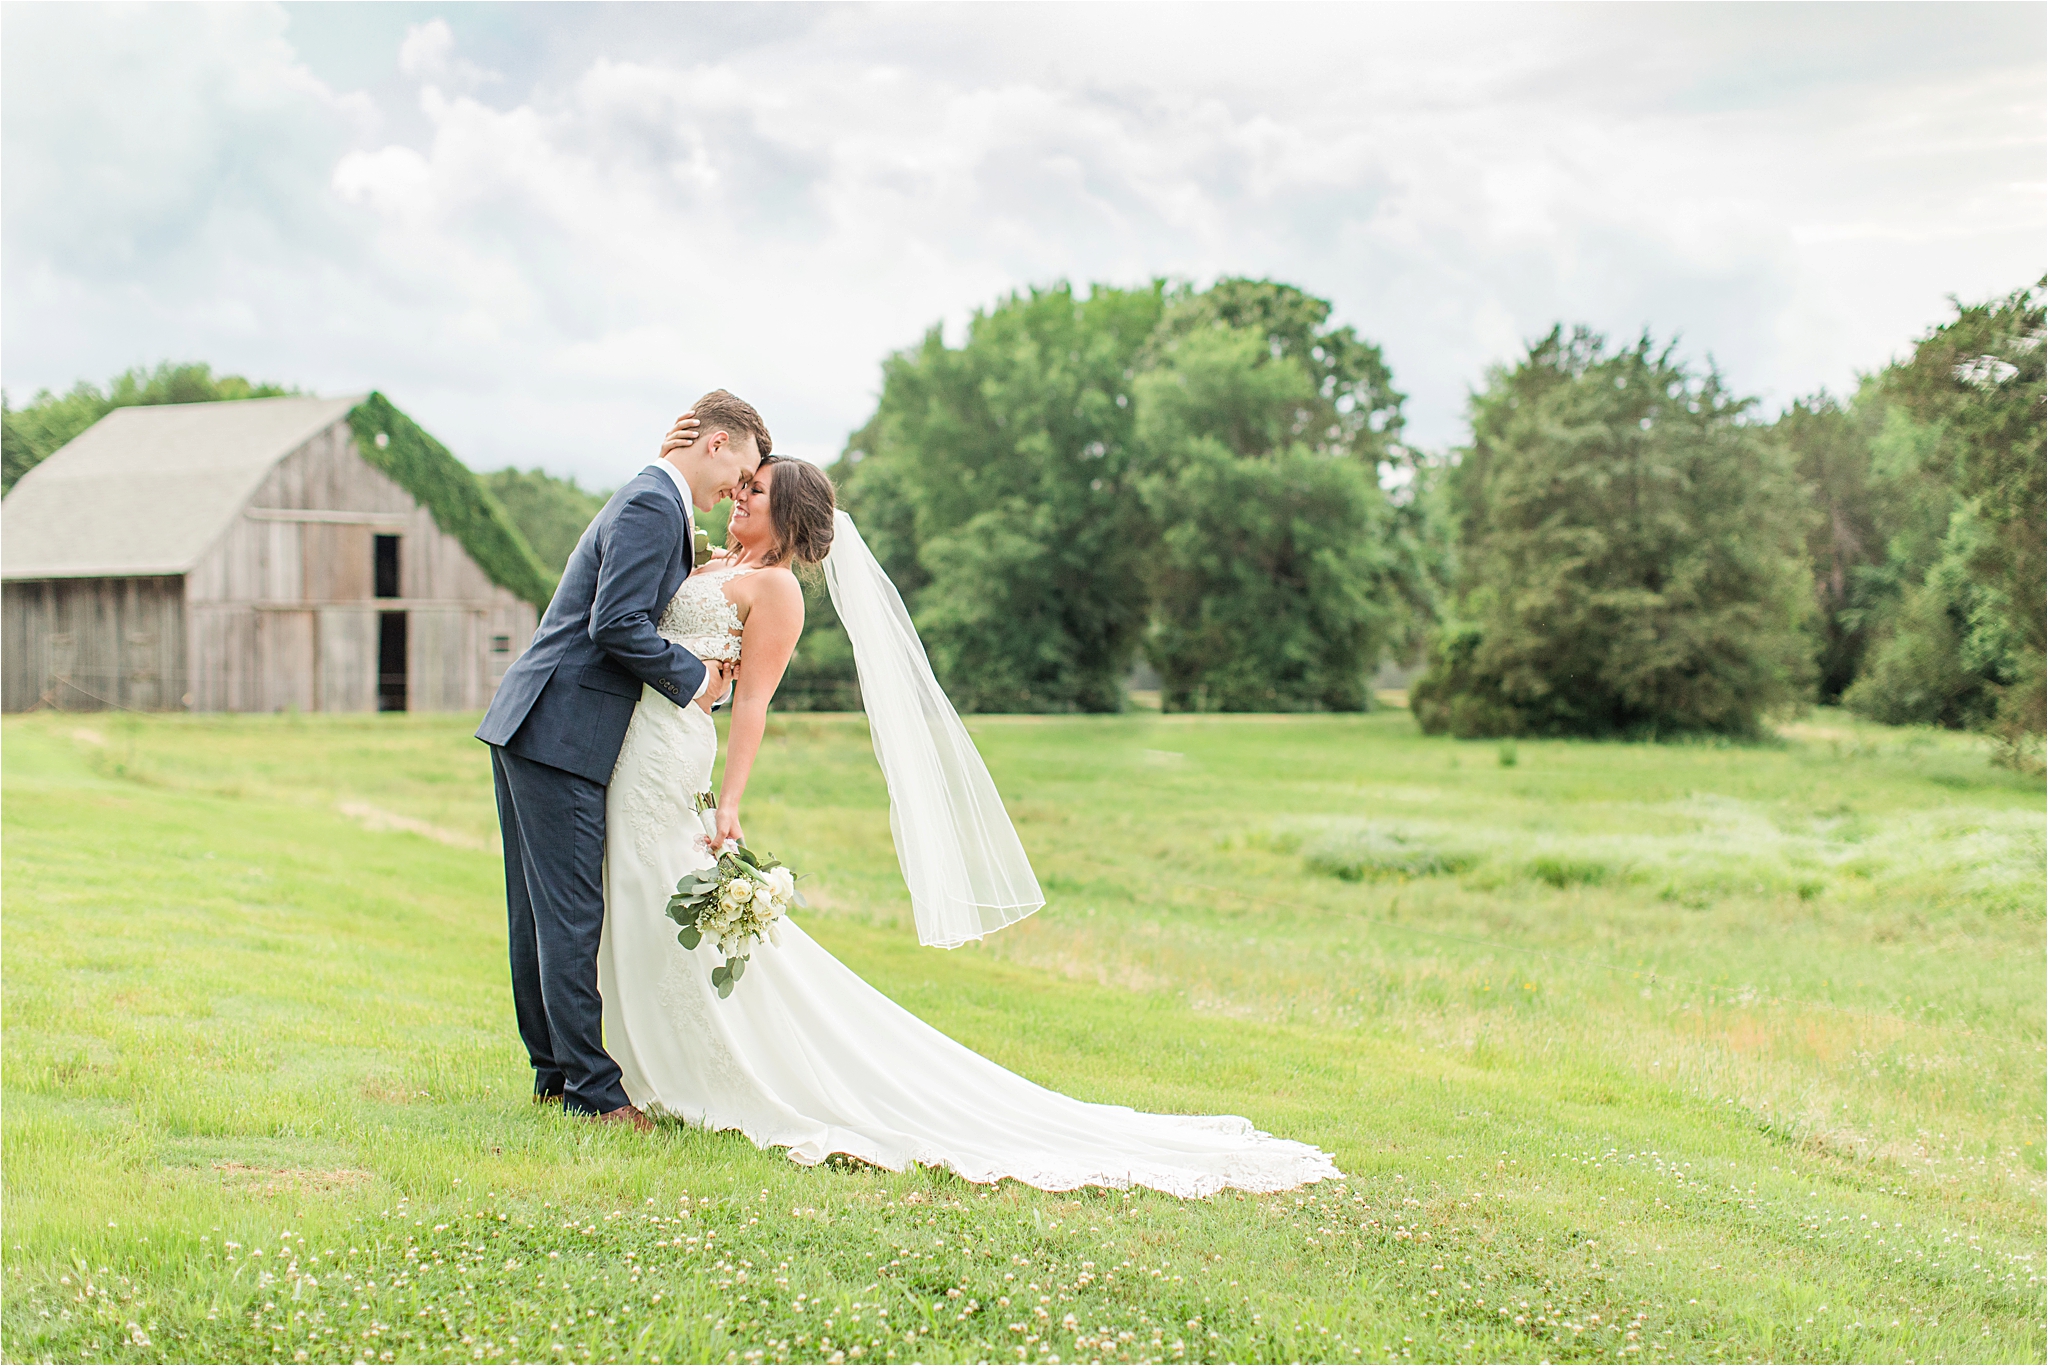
<point>959,853</point>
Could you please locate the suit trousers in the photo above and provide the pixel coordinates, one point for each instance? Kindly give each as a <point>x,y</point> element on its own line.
<point>553,825</point>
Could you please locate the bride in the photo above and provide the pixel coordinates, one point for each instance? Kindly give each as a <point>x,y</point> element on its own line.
<point>804,1055</point>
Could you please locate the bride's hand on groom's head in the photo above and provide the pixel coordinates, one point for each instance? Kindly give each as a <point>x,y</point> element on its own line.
<point>681,435</point>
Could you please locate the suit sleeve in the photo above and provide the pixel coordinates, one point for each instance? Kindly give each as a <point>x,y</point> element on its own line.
<point>637,547</point>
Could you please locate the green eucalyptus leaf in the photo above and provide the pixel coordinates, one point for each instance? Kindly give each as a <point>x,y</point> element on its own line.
<point>721,978</point>
<point>690,937</point>
<point>736,966</point>
<point>725,989</point>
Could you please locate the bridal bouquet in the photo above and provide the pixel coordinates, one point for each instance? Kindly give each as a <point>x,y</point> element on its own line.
<point>736,903</point>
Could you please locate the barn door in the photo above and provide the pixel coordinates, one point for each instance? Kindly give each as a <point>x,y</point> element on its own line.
<point>287,657</point>
<point>391,652</point>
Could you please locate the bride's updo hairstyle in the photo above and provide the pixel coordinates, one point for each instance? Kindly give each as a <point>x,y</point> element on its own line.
<point>800,507</point>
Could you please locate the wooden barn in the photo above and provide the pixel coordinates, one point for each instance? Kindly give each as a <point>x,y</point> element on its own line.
<point>258,555</point>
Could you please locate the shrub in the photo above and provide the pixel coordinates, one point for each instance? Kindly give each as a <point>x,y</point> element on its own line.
<point>1375,853</point>
<point>1561,871</point>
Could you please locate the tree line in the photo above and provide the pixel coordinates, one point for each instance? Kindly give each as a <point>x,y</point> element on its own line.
<point>1216,482</point>
<point>1638,553</point>
<point>30,434</point>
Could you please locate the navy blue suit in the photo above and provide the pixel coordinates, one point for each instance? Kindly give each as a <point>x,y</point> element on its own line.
<point>554,728</point>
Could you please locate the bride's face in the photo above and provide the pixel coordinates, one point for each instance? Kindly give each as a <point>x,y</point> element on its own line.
<point>752,524</point>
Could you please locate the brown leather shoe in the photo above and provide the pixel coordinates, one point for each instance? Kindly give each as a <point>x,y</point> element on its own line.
<point>627,1115</point>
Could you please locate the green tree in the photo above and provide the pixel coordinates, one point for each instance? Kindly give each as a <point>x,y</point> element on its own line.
<point>1632,558</point>
<point>1933,658</point>
<point>30,434</point>
<point>551,513</point>
<point>1036,533</point>
<point>1972,397</point>
<point>1845,541</point>
<point>1947,653</point>
<point>1349,406</point>
<point>1268,568</point>
<point>994,485</point>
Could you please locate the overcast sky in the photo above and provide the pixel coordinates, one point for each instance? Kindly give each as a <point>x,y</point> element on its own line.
<point>542,229</point>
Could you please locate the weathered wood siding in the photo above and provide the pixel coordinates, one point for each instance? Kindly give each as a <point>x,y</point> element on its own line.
<point>283,608</point>
<point>91,644</point>
<point>281,611</point>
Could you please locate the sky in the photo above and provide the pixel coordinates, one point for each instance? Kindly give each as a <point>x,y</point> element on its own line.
<point>543,229</point>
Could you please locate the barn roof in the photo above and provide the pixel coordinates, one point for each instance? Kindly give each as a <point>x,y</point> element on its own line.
<point>146,490</point>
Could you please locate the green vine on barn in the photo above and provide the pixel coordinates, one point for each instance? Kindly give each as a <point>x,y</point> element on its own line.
<point>458,500</point>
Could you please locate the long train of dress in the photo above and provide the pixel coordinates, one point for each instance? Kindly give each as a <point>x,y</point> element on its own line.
<point>807,1056</point>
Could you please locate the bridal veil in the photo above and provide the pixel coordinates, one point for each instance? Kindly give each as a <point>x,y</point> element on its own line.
<point>959,853</point>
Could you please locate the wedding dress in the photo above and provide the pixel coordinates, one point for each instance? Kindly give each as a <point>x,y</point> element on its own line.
<point>805,1055</point>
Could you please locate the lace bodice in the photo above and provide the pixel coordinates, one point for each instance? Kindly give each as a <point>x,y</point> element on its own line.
<point>700,618</point>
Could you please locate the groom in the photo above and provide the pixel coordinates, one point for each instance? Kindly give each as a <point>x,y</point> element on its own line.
<point>556,724</point>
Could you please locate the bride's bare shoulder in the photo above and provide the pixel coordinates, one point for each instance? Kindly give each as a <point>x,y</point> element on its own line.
<point>773,587</point>
<point>779,581</point>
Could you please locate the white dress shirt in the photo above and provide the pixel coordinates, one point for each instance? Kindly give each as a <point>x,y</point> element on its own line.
<point>684,489</point>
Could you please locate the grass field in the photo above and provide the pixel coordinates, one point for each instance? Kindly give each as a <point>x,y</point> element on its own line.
<point>1650,1053</point>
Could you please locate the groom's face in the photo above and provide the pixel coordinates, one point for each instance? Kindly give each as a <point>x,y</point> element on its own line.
<point>730,461</point>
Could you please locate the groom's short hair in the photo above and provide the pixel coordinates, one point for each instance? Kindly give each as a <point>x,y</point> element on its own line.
<point>721,411</point>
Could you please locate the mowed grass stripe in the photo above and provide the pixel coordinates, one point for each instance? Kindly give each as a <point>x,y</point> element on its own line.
<point>307,1034</point>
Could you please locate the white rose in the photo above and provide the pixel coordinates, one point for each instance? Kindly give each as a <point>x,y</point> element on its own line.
<point>764,901</point>
<point>784,883</point>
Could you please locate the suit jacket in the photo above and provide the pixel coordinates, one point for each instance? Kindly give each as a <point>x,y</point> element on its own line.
<point>566,701</point>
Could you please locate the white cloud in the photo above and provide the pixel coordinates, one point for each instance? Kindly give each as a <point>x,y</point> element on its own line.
<point>428,55</point>
<point>545,277</point>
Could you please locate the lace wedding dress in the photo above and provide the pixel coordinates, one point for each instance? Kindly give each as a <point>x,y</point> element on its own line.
<point>804,1054</point>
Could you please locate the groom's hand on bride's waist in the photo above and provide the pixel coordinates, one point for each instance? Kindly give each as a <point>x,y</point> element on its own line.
<point>718,676</point>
